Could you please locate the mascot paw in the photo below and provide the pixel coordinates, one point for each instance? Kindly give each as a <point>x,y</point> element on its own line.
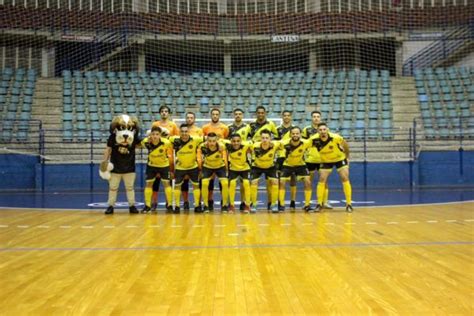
<point>104,170</point>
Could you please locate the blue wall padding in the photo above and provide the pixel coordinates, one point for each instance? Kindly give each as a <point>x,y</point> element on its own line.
<point>453,168</point>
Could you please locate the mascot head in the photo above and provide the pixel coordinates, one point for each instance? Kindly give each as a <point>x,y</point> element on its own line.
<point>125,129</point>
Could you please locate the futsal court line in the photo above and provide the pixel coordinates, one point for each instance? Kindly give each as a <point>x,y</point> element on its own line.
<point>287,224</point>
<point>242,246</point>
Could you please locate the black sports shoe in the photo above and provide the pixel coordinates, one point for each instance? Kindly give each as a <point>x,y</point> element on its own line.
<point>224,209</point>
<point>349,208</point>
<point>269,206</point>
<point>177,210</point>
<point>186,206</point>
<point>198,209</point>
<point>154,206</point>
<point>205,209</point>
<point>308,209</point>
<point>109,210</point>
<point>146,209</point>
<point>169,208</point>
<point>318,208</point>
<point>292,205</point>
<point>242,206</point>
<point>133,210</point>
<point>281,208</point>
<point>211,205</point>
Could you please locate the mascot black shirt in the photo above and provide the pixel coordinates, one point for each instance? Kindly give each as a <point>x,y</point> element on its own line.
<point>122,157</point>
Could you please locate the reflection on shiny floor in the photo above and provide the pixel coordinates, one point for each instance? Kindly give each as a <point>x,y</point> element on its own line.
<point>404,260</point>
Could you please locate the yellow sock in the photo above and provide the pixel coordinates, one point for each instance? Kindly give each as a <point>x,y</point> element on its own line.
<point>196,195</point>
<point>169,195</point>
<point>225,191</point>
<point>148,194</point>
<point>320,192</point>
<point>326,194</point>
<point>177,195</point>
<point>205,191</point>
<point>346,186</point>
<point>293,192</point>
<point>232,188</point>
<point>274,195</point>
<point>254,193</point>
<point>281,194</point>
<point>307,197</point>
<point>246,193</point>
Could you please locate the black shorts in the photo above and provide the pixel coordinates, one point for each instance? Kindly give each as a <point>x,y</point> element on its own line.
<point>313,166</point>
<point>244,175</point>
<point>330,165</point>
<point>279,163</point>
<point>297,171</point>
<point>153,172</point>
<point>193,175</point>
<point>256,172</point>
<point>208,172</point>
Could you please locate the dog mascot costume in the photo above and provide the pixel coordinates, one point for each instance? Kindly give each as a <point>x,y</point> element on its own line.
<point>119,159</point>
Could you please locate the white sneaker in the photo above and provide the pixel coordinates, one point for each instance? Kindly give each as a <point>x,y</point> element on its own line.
<point>327,206</point>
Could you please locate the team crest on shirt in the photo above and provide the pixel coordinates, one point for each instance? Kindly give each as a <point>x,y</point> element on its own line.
<point>190,146</point>
<point>161,151</point>
<point>300,150</point>
<point>218,156</point>
<point>239,154</point>
<point>331,147</point>
<point>271,155</point>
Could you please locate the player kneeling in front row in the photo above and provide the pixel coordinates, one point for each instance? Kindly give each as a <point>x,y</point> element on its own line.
<point>334,152</point>
<point>238,168</point>
<point>294,165</point>
<point>212,159</point>
<point>160,162</point>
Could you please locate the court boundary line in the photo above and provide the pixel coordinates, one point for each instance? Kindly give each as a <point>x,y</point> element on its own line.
<point>242,246</point>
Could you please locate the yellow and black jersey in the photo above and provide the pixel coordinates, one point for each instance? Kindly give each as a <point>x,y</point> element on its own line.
<point>243,130</point>
<point>312,155</point>
<point>212,158</point>
<point>283,133</point>
<point>264,158</point>
<point>256,128</point>
<point>158,154</point>
<point>294,154</point>
<point>237,158</point>
<point>186,152</point>
<point>330,150</point>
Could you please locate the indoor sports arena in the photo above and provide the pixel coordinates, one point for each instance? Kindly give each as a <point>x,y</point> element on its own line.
<point>236,157</point>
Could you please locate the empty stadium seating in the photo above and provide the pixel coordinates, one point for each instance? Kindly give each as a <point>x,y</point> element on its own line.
<point>16,98</point>
<point>351,101</point>
<point>445,96</point>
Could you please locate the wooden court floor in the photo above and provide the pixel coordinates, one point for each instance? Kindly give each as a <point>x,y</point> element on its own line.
<point>406,260</point>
